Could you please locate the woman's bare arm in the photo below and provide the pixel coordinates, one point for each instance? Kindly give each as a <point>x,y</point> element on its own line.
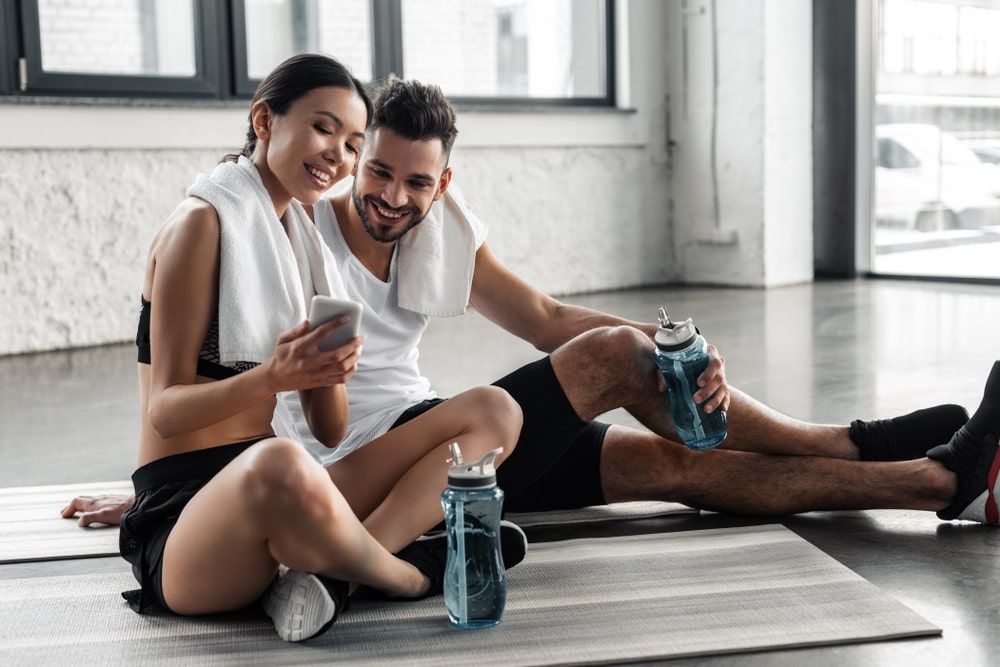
<point>185,295</point>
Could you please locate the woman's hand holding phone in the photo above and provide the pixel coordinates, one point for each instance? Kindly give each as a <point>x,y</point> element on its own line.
<point>299,363</point>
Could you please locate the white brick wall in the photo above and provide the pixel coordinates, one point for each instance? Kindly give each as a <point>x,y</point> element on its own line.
<point>75,228</point>
<point>581,213</point>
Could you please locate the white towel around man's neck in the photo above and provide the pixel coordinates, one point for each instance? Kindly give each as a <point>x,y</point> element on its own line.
<point>267,276</point>
<point>437,258</point>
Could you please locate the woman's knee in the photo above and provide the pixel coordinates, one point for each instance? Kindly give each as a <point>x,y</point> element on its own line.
<point>281,475</point>
<point>497,413</point>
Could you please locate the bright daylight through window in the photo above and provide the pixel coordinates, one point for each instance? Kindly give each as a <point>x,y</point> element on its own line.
<point>937,138</point>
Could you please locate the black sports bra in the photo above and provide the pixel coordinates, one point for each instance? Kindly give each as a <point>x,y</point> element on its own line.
<point>208,357</point>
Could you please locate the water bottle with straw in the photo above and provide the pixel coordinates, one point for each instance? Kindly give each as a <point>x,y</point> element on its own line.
<point>475,581</point>
<point>682,356</point>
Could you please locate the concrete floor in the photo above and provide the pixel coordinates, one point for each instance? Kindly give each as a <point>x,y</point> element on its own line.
<point>829,352</point>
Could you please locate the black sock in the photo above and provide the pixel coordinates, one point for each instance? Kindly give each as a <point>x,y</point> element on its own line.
<point>986,420</point>
<point>909,436</point>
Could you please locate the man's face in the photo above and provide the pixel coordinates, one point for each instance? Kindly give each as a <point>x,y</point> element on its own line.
<point>397,181</point>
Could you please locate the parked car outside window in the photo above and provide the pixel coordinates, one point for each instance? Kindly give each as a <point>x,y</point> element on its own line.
<point>928,180</point>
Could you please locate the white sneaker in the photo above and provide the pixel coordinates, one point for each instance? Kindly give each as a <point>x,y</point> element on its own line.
<point>303,605</point>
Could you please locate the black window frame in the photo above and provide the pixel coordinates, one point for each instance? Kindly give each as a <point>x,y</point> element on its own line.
<point>609,99</point>
<point>221,60</point>
<point>10,46</point>
<point>205,83</point>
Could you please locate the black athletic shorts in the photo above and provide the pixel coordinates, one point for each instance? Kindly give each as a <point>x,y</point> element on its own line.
<point>162,489</point>
<point>557,461</point>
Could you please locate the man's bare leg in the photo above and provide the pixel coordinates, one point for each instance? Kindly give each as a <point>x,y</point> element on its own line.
<point>640,466</point>
<point>613,367</point>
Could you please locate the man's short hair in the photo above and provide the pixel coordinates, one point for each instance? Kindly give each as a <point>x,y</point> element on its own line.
<point>416,111</point>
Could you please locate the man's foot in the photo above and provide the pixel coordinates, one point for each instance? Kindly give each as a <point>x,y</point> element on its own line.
<point>909,436</point>
<point>429,554</point>
<point>304,605</point>
<point>513,544</point>
<point>973,455</point>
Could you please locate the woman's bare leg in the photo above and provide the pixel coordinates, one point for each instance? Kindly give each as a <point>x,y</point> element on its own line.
<point>395,481</point>
<point>273,504</point>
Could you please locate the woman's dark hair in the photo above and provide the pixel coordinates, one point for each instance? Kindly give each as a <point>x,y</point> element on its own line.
<point>416,111</point>
<point>295,78</point>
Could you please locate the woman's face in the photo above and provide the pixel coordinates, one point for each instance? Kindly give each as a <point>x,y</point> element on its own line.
<point>316,143</point>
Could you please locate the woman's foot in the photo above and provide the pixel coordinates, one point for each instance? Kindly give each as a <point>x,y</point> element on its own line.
<point>304,605</point>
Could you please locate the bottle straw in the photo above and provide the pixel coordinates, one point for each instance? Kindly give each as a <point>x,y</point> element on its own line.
<point>463,584</point>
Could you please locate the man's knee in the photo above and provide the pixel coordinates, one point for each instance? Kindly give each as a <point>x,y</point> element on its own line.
<point>614,347</point>
<point>619,360</point>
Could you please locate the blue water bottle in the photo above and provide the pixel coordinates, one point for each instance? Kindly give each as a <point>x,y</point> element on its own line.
<point>475,581</point>
<point>682,356</point>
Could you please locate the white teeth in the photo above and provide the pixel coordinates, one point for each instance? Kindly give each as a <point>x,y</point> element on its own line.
<point>323,176</point>
<point>387,214</point>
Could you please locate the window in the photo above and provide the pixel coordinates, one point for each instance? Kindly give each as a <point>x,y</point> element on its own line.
<point>268,31</point>
<point>496,51</point>
<point>513,49</point>
<point>893,156</point>
<point>118,47</point>
<point>936,182</point>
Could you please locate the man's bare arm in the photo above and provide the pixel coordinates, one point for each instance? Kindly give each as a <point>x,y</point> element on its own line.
<point>536,317</point>
<point>530,314</point>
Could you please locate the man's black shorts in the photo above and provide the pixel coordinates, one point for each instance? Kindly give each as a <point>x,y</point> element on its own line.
<point>557,462</point>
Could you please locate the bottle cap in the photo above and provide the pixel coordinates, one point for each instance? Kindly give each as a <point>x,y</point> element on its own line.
<point>481,474</point>
<point>672,336</point>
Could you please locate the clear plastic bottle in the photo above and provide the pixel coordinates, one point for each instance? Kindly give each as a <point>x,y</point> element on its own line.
<point>475,581</point>
<point>682,356</point>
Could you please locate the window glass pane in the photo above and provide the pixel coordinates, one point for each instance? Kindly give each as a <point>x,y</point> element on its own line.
<point>277,29</point>
<point>123,37</point>
<point>937,168</point>
<point>507,48</point>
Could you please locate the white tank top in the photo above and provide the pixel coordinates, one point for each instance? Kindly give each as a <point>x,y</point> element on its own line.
<point>388,379</point>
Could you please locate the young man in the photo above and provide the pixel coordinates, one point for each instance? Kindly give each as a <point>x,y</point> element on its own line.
<point>408,248</point>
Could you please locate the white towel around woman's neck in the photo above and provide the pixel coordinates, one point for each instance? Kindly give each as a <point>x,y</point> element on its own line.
<point>267,276</point>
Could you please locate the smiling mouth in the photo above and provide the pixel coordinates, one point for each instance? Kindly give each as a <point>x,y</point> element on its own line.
<point>320,177</point>
<point>388,215</point>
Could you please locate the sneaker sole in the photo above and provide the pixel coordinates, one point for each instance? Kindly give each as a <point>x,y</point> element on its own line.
<point>510,558</point>
<point>507,554</point>
<point>984,508</point>
<point>300,606</point>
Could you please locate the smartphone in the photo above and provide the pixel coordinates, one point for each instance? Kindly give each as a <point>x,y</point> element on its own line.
<point>326,308</point>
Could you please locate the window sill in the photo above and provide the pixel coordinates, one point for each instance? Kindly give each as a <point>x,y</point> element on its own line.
<point>146,123</point>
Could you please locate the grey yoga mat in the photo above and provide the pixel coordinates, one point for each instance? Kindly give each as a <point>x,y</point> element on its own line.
<point>579,601</point>
<point>31,528</point>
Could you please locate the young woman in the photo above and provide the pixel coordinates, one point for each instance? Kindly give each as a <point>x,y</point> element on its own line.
<point>221,502</point>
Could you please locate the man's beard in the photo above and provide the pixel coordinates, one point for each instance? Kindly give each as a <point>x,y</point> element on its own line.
<point>383,233</point>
